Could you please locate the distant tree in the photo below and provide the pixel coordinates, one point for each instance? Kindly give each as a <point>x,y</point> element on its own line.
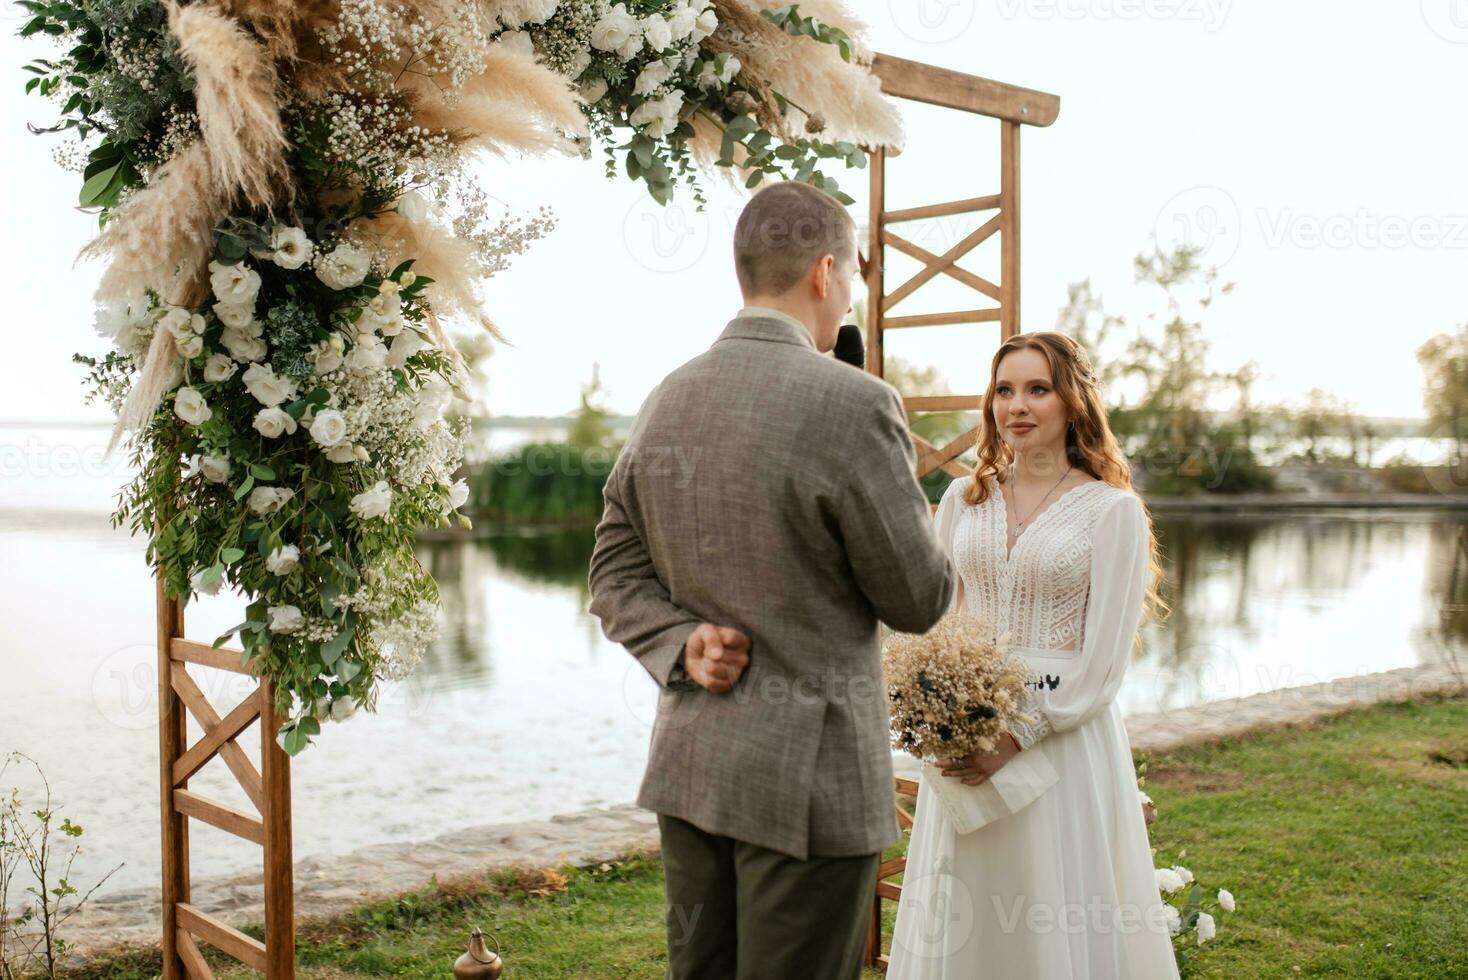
<point>1322,415</point>
<point>591,427</point>
<point>1444,361</point>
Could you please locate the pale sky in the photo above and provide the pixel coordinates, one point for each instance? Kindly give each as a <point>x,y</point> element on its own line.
<point>1315,147</point>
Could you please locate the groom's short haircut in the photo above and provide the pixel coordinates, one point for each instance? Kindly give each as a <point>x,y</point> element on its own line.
<point>781,233</point>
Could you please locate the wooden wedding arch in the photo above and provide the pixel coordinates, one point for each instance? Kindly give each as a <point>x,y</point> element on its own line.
<point>269,787</point>
<point>1013,107</point>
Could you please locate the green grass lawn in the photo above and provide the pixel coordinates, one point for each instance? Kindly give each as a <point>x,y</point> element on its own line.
<point>1345,844</point>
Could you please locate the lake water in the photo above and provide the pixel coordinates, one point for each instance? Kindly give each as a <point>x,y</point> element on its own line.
<point>523,710</point>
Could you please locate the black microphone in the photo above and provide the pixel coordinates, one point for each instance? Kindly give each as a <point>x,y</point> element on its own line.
<point>849,347</point>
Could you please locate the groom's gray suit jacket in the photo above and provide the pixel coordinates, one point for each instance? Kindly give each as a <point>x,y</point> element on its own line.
<point>767,487</point>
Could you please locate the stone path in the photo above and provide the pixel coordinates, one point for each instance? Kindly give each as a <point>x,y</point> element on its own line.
<point>328,885</point>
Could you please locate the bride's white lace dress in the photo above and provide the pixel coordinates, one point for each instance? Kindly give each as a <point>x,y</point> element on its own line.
<point>1065,888</point>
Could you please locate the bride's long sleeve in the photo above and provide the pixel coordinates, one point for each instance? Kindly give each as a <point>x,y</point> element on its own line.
<point>1119,567</point>
<point>944,519</point>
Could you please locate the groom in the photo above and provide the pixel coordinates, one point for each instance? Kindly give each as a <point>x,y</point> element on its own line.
<point>761,519</point>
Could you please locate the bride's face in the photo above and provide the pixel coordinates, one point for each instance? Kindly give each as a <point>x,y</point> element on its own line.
<point>1029,414</point>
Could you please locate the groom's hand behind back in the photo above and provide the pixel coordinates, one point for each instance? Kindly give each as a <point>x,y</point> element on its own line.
<point>715,657</point>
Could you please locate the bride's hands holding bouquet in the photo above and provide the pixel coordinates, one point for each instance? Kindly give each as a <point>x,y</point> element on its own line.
<point>980,765</point>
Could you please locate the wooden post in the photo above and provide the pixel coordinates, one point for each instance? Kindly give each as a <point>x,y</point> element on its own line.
<point>1013,107</point>
<point>184,925</point>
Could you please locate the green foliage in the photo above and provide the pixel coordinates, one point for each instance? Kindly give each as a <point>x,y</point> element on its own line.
<point>788,18</point>
<point>550,483</point>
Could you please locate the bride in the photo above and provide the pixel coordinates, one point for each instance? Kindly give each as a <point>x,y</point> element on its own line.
<point>1053,547</point>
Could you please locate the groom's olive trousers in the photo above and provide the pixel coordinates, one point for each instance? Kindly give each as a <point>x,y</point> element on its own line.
<point>737,911</point>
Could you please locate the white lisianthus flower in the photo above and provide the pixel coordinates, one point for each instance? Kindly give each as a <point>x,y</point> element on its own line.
<point>344,267</point>
<point>654,74</point>
<point>1168,880</point>
<point>659,35</point>
<point>342,453</point>
<point>196,580</point>
<point>243,345</point>
<point>518,13</point>
<point>383,312</point>
<point>190,406</point>
<point>404,346</point>
<point>457,496</point>
<point>1207,928</point>
<point>191,346</point>
<point>329,428</point>
<point>367,355</point>
<point>682,22</point>
<point>517,41</point>
<point>707,23</point>
<point>1183,873</point>
<point>413,206</point>
<point>272,423</point>
<point>285,619</point>
<point>235,314</point>
<point>283,560</point>
<point>343,708</point>
<point>234,283</point>
<point>219,368</point>
<point>619,31</point>
<point>215,468</point>
<point>580,63</point>
<point>732,67</point>
<point>269,388</point>
<point>268,500</point>
<point>176,321</point>
<point>289,247</point>
<point>1225,899</point>
<point>373,502</point>
<point>658,117</point>
<point>1173,918</point>
<point>593,90</point>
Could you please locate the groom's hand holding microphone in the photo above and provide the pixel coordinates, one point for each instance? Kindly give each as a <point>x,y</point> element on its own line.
<point>715,657</point>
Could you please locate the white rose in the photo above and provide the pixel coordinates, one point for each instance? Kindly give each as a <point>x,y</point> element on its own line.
<point>272,423</point>
<point>343,708</point>
<point>235,314</point>
<point>190,406</point>
<point>731,68</point>
<point>404,346</point>
<point>618,31</point>
<point>234,283</point>
<point>580,63</point>
<point>373,502</point>
<point>329,427</point>
<point>283,559</point>
<point>268,500</point>
<point>593,90</point>
<point>176,321</point>
<point>1173,918</point>
<point>383,312</point>
<point>1168,880</point>
<point>1226,899</point>
<point>658,117</point>
<point>285,619</point>
<point>197,582</point>
<point>1207,928</point>
<point>368,355</point>
<point>707,23</point>
<point>654,74</point>
<point>219,368</point>
<point>289,247</point>
<point>269,388</point>
<point>413,206</point>
<point>659,35</point>
<point>344,267</point>
<point>1183,873</point>
<point>215,468</point>
<point>326,355</point>
<point>517,41</point>
<point>342,453</point>
<point>242,345</point>
<point>190,347</point>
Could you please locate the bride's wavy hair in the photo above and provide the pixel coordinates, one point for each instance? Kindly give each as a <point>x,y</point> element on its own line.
<point>1090,444</point>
